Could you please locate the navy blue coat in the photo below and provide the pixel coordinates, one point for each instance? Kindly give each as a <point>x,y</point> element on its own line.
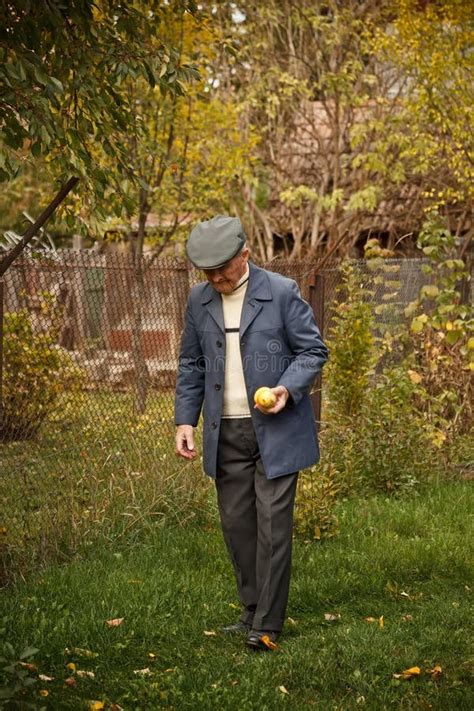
<point>280,344</point>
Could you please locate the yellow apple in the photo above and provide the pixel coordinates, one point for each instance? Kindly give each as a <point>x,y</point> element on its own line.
<point>265,398</point>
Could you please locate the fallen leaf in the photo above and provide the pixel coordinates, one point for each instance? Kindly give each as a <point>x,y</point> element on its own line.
<point>170,671</point>
<point>43,692</point>
<point>329,617</point>
<point>408,673</point>
<point>268,642</point>
<point>43,677</point>
<point>143,672</point>
<point>234,682</point>
<point>96,705</point>
<point>80,652</point>
<point>70,681</point>
<point>151,655</point>
<point>115,623</point>
<point>283,689</point>
<point>370,619</point>
<point>415,377</point>
<point>292,622</point>
<point>115,707</point>
<point>435,672</point>
<point>28,666</point>
<point>210,633</point>
<point>136,582</point>
<point>381,622</point>
<point>71,666</point>
<point>214,686</point>
<point>234,606</point>
<point>407,618</point>
<point>83,674</point>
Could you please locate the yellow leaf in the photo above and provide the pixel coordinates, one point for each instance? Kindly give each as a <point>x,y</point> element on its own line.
<point>415,377</point>
<point>268,642</point>
<point>329,617</point>
<point>210,633</point>
<point>151,655</point>
<point>83,674</point>
<point>435,672</point>
<point>292,622</point>
<point>71,666</point>
<point>44,692</point>
<point>283,689</point>
<point>115,623</point>
<point>381,622</point>
<point>96,705</point>
<point>370,619</point>
<point>408,673</point>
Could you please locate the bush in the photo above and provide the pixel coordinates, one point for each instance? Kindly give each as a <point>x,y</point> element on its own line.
<point>317,495</point>
<point>36,372</point>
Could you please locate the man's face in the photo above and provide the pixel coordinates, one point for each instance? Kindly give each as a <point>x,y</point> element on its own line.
<point>225,278</point>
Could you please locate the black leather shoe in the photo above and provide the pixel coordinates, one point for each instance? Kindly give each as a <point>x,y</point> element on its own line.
<point>237,628</point>
<point>264,640</point>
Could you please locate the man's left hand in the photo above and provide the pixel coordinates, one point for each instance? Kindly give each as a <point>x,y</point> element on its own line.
<point>282,395</point>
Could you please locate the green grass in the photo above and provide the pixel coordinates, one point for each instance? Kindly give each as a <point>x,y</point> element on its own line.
<point>407,559</point>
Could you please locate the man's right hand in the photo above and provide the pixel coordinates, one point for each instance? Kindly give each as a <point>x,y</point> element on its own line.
<point>185,441</point>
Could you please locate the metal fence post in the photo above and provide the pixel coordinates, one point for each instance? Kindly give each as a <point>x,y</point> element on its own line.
<point>316,300</point>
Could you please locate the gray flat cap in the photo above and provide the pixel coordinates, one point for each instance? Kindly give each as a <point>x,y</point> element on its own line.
<point>212,243</point>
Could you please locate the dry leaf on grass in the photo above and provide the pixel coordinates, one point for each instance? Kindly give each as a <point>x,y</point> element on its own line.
<point>70,681</point>
<point>44,677</point>
<point>80,652</point>
<point>283,689</point>
<point>96,706</point>
<point>115,623</point>
<point>268,642</point>
<point>330,617</point>
<point>210,633</point>
<point>71,667</point>
<point>83,674</point>
<point>28,666</point>
<point>143,672</point>
<point>410,673</point>
<point>436,672</point>
<point>43,692</point>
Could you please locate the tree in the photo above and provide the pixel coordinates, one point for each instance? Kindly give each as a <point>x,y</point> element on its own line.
<point>62,74</point>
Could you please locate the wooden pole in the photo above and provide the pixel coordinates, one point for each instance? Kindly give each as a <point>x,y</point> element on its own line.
<point>33,229</point>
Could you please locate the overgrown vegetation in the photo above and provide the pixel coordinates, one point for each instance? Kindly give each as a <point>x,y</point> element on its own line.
<point>398,407</point>
<point>37,371</point>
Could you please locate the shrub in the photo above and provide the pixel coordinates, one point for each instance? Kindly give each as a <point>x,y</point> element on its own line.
<point>317,495</point>
<point>36,372</point>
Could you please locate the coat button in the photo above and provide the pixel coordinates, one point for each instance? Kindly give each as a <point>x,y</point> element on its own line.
<point>217,386</point>
<point>219,344</point>
<point>213,425</point>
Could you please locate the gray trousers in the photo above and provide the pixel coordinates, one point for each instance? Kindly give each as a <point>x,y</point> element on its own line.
<point>257,522</point>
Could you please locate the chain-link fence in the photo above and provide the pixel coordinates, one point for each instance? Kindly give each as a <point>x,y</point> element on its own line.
<point>90,347</point>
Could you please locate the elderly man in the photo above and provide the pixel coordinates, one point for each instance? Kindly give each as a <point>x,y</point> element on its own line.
<point>246,327</point>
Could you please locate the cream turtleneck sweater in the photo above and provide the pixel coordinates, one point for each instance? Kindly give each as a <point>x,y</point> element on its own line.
<point>235,392</point>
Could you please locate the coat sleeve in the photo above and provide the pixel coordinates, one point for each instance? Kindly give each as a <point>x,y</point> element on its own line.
<point>191,372</point>
<point>306,343</point>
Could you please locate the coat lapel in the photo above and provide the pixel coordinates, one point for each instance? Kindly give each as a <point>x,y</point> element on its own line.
<point>258,290</point>
<point>212,301</point>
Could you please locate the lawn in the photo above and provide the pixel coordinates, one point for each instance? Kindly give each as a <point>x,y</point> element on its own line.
<point>408,560</point>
